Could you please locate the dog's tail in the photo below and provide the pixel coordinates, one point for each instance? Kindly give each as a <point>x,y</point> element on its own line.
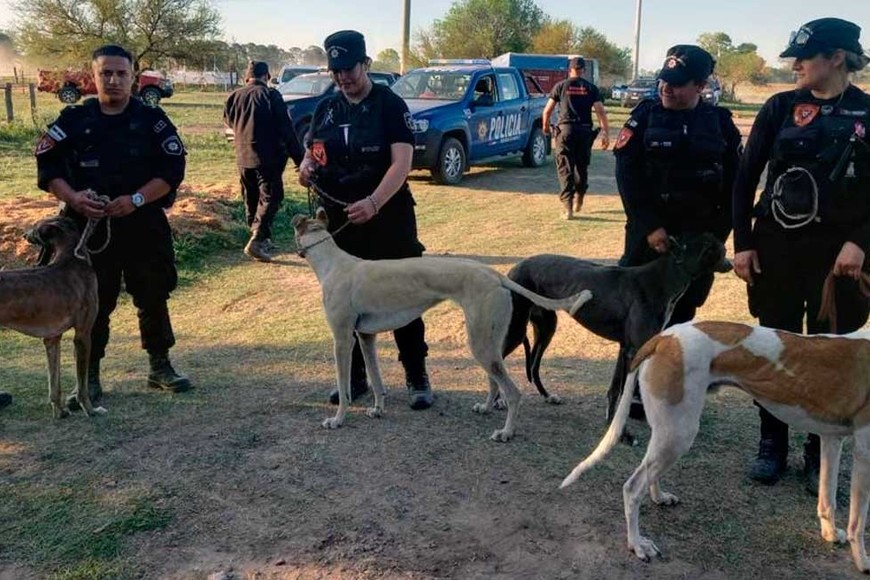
<point>571,304</point>
<point>611,438</point>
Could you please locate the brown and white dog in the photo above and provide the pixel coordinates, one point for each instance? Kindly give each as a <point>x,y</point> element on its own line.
<point>47,301</point>
<point>367,297</point>
<point>819,384</point>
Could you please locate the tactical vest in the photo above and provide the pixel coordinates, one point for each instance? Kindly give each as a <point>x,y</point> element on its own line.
<point>819,170</point>
<point>684,155</point>
<point>114,163</point>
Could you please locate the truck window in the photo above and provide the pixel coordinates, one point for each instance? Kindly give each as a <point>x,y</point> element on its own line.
<point>507,87</point>
<point>483,89</point>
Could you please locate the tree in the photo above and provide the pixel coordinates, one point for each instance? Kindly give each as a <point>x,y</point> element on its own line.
<point>7,48</point>
<point>735,64</point>
<point>556,37</point>
<point>485,28</point>
<point>388,60</point>
<point>716,43</point>
<point>563,37</point>
<point>314,55</point>
<point>66,31</point>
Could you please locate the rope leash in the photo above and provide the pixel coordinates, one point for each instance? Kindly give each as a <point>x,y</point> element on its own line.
<point>82,252</point>
<point>301,251</point>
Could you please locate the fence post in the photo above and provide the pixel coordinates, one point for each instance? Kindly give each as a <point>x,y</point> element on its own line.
<point>9,115</point>
<point>31,87</point>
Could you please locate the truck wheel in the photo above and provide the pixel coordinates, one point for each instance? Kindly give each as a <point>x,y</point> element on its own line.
<point>68,95</point>
<point>151,96</point>
<point>536,151</point>
<point>451,163</point>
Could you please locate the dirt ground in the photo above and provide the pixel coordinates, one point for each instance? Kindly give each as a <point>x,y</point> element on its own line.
<point>257,489</point>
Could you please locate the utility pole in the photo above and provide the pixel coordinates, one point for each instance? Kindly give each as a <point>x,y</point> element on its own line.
<point>406,35</point>
<point>637,39</point>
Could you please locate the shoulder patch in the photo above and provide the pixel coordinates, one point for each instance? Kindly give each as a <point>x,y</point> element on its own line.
<point>173,146</point>
<point>625,135</point>
<point>160,125</point>
<point>46,143</point>
<point>56,133</point>
<point>804,114</point>
<point>409,121</point>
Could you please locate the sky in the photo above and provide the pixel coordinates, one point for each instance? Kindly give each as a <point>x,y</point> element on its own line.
<point>766,23</point>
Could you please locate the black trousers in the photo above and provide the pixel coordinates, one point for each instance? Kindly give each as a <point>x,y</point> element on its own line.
<point>263,190</point>
<point>141,254</point>
<point>573,153</point>
<point>787,294</point>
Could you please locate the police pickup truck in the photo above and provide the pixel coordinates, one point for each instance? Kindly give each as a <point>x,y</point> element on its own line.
<point>465,112</point>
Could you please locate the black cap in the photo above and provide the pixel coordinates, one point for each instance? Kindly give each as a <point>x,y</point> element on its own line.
<point>344,49</point>
<point>578,62</point>
<point>687,62</point>
<point>256,69</point>
<point>824,34</point>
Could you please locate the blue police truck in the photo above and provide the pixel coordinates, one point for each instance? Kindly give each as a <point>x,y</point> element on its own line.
<point>465,112</point>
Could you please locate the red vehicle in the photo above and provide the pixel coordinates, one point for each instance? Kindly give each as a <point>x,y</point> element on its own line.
<point>71,85</point>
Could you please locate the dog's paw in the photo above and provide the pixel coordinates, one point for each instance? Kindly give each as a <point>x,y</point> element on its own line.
<point>502,435</point>
<point>644,549</point>
<point>554,399</point>
<point>61,413</point>
<point>834,535</point>
<point>500,405</point>
<point>98,411</point>
<point>480,409</point>
<point>665,498</point>
<point>331,423</point>
<point>374,412</point>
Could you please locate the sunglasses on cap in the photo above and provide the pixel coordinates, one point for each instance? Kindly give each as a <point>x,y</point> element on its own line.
<point>800,37</point>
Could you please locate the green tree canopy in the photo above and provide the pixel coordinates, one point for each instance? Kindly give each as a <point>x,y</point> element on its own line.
<point>387,60</point>
<point>564,37</point>
<point>65,32</point>
<point>734,64</point>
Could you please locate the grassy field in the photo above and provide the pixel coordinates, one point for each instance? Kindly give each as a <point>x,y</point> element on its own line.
<point>238,478</point>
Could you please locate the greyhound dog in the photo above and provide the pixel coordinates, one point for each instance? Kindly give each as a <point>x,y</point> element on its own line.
<point>631,304</point>
<point>47,301</point>
<point>367,297</point>
<point>819,384</point>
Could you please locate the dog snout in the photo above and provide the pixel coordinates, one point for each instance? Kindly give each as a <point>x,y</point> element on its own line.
<point>724,266</point>
<point>32,236</point>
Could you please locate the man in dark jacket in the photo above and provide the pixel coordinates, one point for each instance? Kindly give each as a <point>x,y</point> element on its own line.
<point>264,138</point>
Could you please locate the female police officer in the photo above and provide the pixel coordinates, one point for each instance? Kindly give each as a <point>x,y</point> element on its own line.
<point>814,213</point>
<point>359,152</point>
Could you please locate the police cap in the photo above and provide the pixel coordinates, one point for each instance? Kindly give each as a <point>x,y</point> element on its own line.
<point>687,62</point>
<point>577,62</point>
<point>344,49</point>
<point>256,69</point>
<point>822,35</point>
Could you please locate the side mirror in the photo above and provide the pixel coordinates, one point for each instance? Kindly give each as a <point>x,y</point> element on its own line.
<point>273,81</point>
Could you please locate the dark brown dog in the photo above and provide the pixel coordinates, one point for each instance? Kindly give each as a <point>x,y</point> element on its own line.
<point>47,301</point>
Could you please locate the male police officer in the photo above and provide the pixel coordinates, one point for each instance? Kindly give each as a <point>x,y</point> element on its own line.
<point>574,134</point>
<point>118,147</point>
<point>263,139</point>
<point>676,159</point>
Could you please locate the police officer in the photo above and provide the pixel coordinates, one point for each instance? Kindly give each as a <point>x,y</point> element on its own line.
<point>130,152</point>
<point>574,135</point>
<point>263,139</point>
<point>359,153</point>
<point>676,158</point>
<point>813,216</point>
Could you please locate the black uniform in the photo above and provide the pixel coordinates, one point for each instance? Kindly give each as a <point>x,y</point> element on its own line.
<point>264,138</point>
<point>675,170</point>
<point>574,134</point>
<point>806,143</point>
<point>351,145</point>
<point>115,155</point>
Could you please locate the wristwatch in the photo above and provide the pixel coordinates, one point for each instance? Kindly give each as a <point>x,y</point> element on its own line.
<point>138,200</point>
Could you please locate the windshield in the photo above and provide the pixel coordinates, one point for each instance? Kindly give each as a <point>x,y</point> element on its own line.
<point>306,85</point>
<point>643,84</point>
<point>433,84</point>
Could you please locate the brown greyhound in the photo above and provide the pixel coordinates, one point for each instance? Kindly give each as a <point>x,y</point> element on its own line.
<point>47,301</point>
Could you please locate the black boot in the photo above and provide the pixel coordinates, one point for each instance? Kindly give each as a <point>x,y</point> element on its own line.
<point>419,390</point>
<point>772,458</point>
<point>5,399</point>
<point>812,462</point>
<point>95,388</point>
<point>163,376</point>
<point>359,384</point>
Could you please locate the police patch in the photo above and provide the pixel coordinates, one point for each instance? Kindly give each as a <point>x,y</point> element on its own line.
<point>625,135</point>
<point>804,114</point>
<point>161,124</point>
<point>409,121</point>
<point>173,146</point>
<point>46,143</point>
<point>318,152</point>
<point>56,133</point>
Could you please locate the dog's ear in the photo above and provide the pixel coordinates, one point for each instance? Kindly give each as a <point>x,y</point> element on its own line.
<point>320,215</point>
<point>298,220</point>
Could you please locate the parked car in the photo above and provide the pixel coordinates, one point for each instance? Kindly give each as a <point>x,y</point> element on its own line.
<point>469,112</point>
<point>288,72</point>
<point>712,93</point>
<point>303,92</point>
<point>618,90</point>
<point>72,85</point>
<point>640,89</point>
